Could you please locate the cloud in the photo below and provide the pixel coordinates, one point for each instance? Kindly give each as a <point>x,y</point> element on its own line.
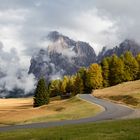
<point>92,28</point>
<point>24,23</point>
<point>61,47</point>
<point>13,74</point>
<point>98,22</point>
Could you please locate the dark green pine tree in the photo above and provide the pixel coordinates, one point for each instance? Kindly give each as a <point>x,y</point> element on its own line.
<point>41,96</point>
<point>116,74</point>
<point>105,72</point>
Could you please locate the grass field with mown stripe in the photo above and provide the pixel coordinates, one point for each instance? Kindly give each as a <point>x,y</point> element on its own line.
<point>110,130</point>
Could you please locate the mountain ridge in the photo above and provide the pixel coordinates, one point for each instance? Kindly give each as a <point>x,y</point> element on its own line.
<point>126,45</point>
<point>64,56</point>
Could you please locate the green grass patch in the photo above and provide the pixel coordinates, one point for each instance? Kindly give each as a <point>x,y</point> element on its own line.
<point>111,130</point>
<point>127,99</point>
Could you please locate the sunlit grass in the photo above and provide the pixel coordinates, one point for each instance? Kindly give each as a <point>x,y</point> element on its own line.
<point>112,130</point>
<point>19,111</point>
<point>127,93</point>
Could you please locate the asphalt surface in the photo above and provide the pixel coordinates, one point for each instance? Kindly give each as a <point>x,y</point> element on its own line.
<point>111,111</point>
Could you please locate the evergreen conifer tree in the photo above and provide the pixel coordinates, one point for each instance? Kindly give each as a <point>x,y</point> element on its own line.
<point>41,96</point>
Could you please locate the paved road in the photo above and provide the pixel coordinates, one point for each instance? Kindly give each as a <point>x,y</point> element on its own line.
<point>111,111</point>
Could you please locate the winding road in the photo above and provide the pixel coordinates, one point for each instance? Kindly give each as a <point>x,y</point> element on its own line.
<point>111,111</point>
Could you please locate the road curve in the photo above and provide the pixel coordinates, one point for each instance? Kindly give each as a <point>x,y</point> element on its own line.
<point>111,111</point>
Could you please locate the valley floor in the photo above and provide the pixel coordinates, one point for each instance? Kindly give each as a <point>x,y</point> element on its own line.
<point>20,111</point>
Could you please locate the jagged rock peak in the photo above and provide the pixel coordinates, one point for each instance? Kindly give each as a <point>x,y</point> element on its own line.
<point>126,45</point>
<point>55,36</point>
<point>63,56</point>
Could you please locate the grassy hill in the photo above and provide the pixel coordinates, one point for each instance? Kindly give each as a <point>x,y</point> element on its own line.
<point>126,93</point>
<point>111,130</point>
<point>15,111</point>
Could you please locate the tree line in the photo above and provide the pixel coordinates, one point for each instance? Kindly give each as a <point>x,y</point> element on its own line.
<point>111,71</point>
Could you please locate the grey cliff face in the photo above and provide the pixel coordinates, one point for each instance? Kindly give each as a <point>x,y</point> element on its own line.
<point>127,45</point>
<point>63,56</point>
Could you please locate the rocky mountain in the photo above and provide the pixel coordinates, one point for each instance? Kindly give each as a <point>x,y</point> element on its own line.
<point>62,56</point>
<point>127,45</point>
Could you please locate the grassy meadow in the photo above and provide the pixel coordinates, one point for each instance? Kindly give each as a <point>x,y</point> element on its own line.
<point>110,130</point>
<point>20,111</point>
<point>126,93</point>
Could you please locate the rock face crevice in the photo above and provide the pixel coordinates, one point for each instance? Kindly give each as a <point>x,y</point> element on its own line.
<point>63,56</point>
<point>127,45</point>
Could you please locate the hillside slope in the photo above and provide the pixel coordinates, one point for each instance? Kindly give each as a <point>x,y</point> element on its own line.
<point>126,93</point>
<point>22,111</point>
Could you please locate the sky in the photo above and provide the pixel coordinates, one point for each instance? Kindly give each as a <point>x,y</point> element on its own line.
<point>24,24</point>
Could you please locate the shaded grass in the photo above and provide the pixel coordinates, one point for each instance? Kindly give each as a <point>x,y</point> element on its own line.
<point>127,99</point>
<point>111,130</point>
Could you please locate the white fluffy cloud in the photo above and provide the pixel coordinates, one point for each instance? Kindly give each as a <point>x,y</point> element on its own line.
<point>23,23</point>
<point>13,73</point>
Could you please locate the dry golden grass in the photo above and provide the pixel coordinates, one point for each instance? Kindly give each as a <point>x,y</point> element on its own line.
<point>17,110</point>
<point>126,93</point>
<point>13,111</point>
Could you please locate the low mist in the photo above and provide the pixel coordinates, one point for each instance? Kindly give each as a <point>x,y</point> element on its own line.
<point>14,77</point>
